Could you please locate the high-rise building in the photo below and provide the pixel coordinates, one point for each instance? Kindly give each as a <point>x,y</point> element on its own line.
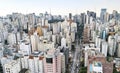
<point>104,48</point>
<point>12,67</point>
<point>45,45</point>
<point>102,15</point>
<point>112,45</point>
<point>52,62</point>
<point>25,48</point>
<point>118,50</point>
<point>86,34</point>
<point>63,42</point>
<point>115,14</point>
<point>41,64</point>
<point>34,42</point>
<point>31,64</point>
<point>83,18</point>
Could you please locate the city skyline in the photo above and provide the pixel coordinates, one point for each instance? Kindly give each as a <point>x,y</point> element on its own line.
<point>57,7</point>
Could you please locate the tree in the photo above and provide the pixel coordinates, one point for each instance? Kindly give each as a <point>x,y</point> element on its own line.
<point>83,70</point>
<point>1,68</point>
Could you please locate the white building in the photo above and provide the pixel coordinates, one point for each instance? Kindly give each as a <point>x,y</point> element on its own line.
<point>45,44</point>
<point>104,48</point>
<point>41,65</point>
<point>54,39</point>
<point>63,69</point>
<point>36,64</point>
<point>111,43</point>
<point>25,48</point>
<point>24,62</point>
<point>63,42</point>
<point>55,28</point>
<point>89,51</point>
<point>12,67</point>
<point>98,42</point>
<point>11,38</point>
<point>34,42</point>
<point>31,64</point>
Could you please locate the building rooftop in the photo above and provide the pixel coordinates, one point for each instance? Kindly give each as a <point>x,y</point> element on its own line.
<point>96,67</point>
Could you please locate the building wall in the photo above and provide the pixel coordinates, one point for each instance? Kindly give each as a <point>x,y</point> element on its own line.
<point>118,50</point>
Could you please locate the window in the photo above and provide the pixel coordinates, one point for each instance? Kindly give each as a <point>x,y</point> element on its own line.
<point>49,60</point>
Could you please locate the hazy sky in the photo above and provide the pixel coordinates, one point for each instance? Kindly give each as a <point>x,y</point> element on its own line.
<point>62,7</point>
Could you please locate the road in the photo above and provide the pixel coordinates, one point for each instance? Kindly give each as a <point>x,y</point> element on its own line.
<point>76,59</point>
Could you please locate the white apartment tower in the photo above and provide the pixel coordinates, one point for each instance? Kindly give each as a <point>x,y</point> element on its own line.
<point>12,67</point>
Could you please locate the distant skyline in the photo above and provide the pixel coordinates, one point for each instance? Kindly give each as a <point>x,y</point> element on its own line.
<point>56,7</point>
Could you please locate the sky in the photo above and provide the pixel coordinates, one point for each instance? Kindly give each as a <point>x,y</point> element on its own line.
<point>56,7</point>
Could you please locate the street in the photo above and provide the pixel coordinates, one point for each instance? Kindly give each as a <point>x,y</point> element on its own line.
<point>76,58</point>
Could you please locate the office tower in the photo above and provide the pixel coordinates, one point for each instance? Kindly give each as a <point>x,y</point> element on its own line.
<point>115,14</point>
<point>110,16</point>
<point>102,15</point>
<point>104,48</point>
<point>12,67</point>
<point>83,18</point>
<point>90,16</point>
